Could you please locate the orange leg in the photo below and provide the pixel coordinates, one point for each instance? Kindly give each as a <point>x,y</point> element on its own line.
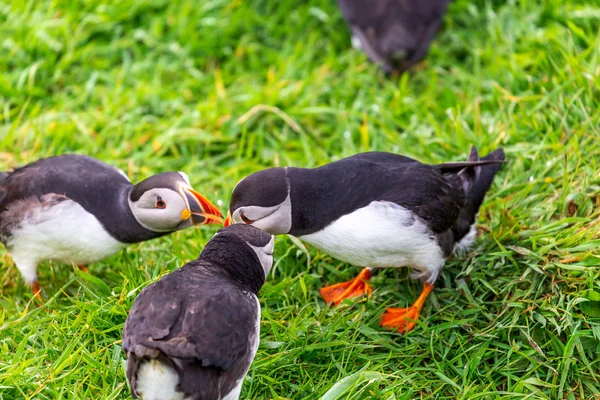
<point>402,319</point>
<point>346,290</point>
<point>35,289</point>
<point>83,268</point>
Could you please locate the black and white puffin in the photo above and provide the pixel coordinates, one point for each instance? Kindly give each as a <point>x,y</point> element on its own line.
<point>376,210</point>
<point>76,209</point>
<point>393,33</point>
<point>194,333</point>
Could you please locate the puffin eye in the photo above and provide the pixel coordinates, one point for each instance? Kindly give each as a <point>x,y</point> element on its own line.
<point>244,218</point>
<point>160,203</point>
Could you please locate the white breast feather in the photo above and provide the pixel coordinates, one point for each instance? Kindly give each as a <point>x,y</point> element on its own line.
<point>157,381</point>
<point>381,235</point>
<point>64,232</point>
<point>465,244</point>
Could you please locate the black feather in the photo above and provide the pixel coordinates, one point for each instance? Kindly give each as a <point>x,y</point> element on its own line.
<point>476,193</point>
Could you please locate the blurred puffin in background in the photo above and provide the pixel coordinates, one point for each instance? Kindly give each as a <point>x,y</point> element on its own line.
<point>78,210</point>
<point>394,34</point>
<point>376,210</point>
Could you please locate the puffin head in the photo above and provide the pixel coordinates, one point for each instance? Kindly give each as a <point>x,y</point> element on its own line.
<point>262,200</point>
<point>261,242</point>
<point>166,202</point>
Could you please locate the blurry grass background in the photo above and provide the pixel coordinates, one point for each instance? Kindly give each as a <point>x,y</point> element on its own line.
<point>220,89</point>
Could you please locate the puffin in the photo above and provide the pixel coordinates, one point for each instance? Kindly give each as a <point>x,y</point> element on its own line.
<point>193,334</point>
<point>78,210</point>
<point>393,33</point>
<point>375,210</point>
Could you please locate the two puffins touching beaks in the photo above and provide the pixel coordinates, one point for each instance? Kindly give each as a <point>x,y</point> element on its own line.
<point>376,210</point>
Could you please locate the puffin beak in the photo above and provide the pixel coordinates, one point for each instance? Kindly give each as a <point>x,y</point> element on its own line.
<point>202,211</point>
<point>228,219</point>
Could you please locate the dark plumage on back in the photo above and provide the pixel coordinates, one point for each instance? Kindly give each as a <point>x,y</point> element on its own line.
<point>201,320</point>
<point>394,33</point>
<point>434,193</point>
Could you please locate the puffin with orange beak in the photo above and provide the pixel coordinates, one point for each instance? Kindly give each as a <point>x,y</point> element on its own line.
<point>78,210</point>
<point>375,210</point>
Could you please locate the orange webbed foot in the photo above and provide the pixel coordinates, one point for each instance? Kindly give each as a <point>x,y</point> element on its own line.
<point>346,290</point>
<point>400,319</point>
<point>83,268</point>
<point>404,319</point>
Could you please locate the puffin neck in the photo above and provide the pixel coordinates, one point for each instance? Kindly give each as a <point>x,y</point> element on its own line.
<point>311,191</point>
<point>234,257</point>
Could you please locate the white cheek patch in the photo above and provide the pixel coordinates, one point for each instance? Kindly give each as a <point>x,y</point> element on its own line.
<point>235,217</point>
<point>265,255</point>
<point>159,219</point>
<point>276,220</point>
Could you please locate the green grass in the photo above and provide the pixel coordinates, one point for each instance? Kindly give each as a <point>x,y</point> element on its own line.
<point>221,89</point>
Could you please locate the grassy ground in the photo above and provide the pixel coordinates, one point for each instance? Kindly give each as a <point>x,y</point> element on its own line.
<point>220,89</point>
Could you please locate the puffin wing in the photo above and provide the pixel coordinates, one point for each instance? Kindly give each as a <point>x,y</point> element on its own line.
<point>189,315</point>
<point>152,317</point>
<point>432,196</point>
<point>424,189</point>
<point>213,329</point>
<point>70,175</point>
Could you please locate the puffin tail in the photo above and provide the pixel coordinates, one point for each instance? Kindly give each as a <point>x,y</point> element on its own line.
<point>476,180</point>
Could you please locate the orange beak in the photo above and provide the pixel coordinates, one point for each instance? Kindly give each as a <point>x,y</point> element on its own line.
<point>228,219</point>
<point>203,212</point>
